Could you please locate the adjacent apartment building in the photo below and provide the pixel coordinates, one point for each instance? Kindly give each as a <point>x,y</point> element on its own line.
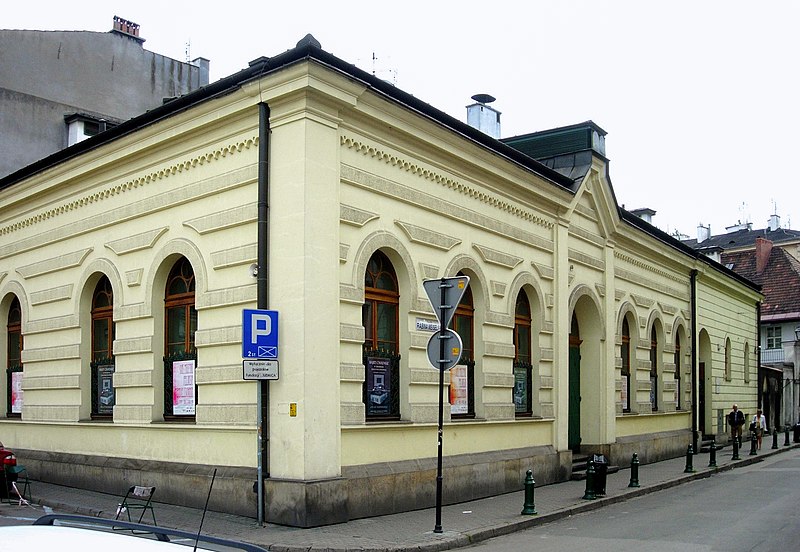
<point>60,87</point>
<point>770,257</point>
<point>306,186</point>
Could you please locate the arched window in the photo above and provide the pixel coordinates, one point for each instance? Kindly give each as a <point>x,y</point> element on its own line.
<point>180,361</point>
<point>523,367</point>
<point>625,351</point>
<point>462,375</point>
<point>747,362</point>
<point>727,359</point>
<point>654,369</point>
<point>678,369</point>
<point>103,397</point>
<point>14,361</point>
<point>380,317</point>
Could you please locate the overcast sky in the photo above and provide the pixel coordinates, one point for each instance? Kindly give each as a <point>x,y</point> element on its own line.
<point>699,98</point>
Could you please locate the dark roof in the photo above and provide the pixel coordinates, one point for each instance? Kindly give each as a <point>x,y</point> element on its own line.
<point>779,281</point>
<point>306,50</point>
<point>745,238</point>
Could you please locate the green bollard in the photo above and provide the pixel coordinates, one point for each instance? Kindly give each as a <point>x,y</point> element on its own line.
<point>753,444</point>
<point>589,494</point>
<point>786,431</point>
<point>689,454</point>
<point>775,438</point>
<point>736,450</point>
<point>528,508</point>
<point>634,471</point>
<point>712,455</point>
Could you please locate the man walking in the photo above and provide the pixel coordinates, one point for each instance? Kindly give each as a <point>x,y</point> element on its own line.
<point>736,421</point>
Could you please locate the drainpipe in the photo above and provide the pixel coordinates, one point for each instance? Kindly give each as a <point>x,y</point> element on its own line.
<point>693,280</point>
<point>263,294</point>
<point>758,356</point>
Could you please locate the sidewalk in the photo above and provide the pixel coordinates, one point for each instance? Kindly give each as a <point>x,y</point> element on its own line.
<point>463,524</point>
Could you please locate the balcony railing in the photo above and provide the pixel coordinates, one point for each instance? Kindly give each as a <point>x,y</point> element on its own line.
<point>772,356</point>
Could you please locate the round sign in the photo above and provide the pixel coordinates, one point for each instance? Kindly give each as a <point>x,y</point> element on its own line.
<point>452,349</point>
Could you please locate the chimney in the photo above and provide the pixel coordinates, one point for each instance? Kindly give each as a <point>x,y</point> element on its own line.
<point>703,232</point>
<point>774,222</point>
<point>484,118</point>
<point>646,214</point>
<point>127,28</point>
<point>763,250</point>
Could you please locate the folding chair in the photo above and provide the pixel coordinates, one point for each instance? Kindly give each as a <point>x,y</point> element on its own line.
<point>137,498</point>
<point>20,480</point>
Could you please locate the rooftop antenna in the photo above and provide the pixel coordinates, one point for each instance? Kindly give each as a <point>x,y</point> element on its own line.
<point>188,51</point>
<point>392,73</point>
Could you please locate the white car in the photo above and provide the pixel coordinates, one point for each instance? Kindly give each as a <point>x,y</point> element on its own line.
<point>72,533</point>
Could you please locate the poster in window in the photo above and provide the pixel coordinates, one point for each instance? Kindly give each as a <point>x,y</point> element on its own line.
<point>183,399</point>
<point>459,391</point>
<point>624,392</point>
<point>16,392</point>
<point>520,390</point>
<point>105,389</point>
<point>379,386</point>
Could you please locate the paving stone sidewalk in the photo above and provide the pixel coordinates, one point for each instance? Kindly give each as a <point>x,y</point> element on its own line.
<point>462,524</point>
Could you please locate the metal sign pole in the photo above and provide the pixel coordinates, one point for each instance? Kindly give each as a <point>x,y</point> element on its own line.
<point>442,362</point>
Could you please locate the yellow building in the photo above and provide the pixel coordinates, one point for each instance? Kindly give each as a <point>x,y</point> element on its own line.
<point>308,187</point>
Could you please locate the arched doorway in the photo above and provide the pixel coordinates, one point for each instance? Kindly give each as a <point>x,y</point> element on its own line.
<point>590,393</point>
<point>574,435</point>
<point>704,383</point>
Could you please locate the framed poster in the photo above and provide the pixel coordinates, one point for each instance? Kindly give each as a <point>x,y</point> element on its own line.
<point>459,390</point>
<point>379,386</point>
<point>16,392</point>
<point>105,389</point>
<point>520,390</point>
<point>624,393</point>
<point>183,397</point>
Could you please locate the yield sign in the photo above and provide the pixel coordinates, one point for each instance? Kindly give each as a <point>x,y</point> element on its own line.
<point>444,295</point>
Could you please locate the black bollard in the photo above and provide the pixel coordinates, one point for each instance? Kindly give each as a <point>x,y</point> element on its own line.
<point>589,494</point>
<point>735,449</point>
<point>786,431</point>
<point>775,438</point>
<point>753,444</point>
<point>689,454</point>
<point>634,471</point>
<point>712,455</point>
<point>529,509</point>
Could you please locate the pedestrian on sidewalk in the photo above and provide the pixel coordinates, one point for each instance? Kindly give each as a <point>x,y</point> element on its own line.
<point>759,425</point>
<point>736,421</point>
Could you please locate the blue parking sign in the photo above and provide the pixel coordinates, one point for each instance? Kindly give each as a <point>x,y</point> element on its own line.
<point>259,333</point>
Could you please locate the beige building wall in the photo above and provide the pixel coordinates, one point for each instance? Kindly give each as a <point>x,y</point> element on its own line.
<point>351,172</point>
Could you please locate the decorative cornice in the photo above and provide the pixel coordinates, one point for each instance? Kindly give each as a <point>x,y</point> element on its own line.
<point>221,220</point>
<point>495,257</point>
<point>67,260</point>
<point>446,181</point>
<point>123,187</point>
<point>354,216</point>
<point>137,242</point>
<point>644,265</point>
<point>424,236</point>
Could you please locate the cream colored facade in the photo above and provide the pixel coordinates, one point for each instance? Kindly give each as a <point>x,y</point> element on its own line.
<point>354,168</point>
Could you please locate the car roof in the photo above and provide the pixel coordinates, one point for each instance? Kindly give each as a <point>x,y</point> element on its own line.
<point>35,538</point>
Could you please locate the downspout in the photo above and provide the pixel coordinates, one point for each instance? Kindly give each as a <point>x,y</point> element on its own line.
<point>758,356</point>
<point>263,294</point>
<point>693,280</point>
